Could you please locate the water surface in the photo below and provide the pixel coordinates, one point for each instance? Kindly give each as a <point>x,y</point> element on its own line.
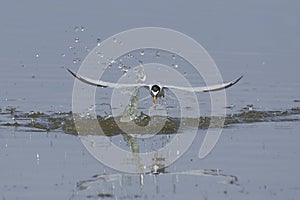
<point>257,154</point>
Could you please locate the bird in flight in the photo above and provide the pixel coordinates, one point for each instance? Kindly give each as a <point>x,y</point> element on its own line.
<point>156,90</point>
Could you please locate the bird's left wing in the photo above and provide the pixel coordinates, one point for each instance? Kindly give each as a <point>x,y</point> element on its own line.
<point>100,83</point>
<point>205,89</point>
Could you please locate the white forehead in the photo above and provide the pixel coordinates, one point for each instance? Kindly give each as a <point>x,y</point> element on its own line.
<point>154,93</point>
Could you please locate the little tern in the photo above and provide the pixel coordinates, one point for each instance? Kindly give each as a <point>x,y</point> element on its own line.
<point>156,90</point>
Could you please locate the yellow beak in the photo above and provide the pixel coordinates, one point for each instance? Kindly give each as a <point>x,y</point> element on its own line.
<point>154,100</point>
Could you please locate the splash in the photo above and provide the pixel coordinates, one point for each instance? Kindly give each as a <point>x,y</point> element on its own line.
<point>40,121</point>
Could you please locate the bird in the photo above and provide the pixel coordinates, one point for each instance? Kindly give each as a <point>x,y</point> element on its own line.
<point>156,90</point>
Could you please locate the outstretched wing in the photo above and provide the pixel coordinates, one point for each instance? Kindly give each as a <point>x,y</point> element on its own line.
<point>100,83</point>
<point>205,89</point>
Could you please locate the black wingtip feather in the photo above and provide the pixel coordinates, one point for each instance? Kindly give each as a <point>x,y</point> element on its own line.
<point>72,72</point>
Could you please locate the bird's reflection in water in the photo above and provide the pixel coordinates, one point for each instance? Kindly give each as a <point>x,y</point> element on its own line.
<point>130,186</point>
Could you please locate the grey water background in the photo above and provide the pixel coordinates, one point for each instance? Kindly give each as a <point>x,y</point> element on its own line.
<point>260,39</point>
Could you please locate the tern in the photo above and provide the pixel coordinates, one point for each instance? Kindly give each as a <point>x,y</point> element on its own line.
<point>156,90</point>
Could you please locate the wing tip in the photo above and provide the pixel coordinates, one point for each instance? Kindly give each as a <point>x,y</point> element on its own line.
<point>85,80</point>
<point>226,86</point>
<point>237,80</point>
<point>234,82</point>
<point>71,72</point>
<point>240,77</point>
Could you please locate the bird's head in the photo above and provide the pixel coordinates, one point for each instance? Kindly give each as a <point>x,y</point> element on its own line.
<point>155,90</point>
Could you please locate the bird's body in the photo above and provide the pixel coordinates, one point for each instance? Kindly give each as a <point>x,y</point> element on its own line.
<point>156,90</point>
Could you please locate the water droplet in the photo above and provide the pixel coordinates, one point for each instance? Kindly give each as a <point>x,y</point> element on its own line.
<point>87,49</point>
<point>173,56</point>
<point>142,52</point>
<point>111,61</point>
<point>98,41</point>
<point>175,65</point>
<point>82,29</point>
<point>76,60</point>
<point>100,54</point>
<point>125,69</point>
<point>71,47</point>
<point>157,54</point>
<point>76,28</point>
<point>37,55</point>
<point>76,40</point>
<point>129,55</point>
<point>63,55</point>
<point>120,65</point>
<point>115,40</point>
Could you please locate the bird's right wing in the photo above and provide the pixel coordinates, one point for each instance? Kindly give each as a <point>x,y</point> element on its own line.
<point>100,83</point>
<point>206,89</point>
